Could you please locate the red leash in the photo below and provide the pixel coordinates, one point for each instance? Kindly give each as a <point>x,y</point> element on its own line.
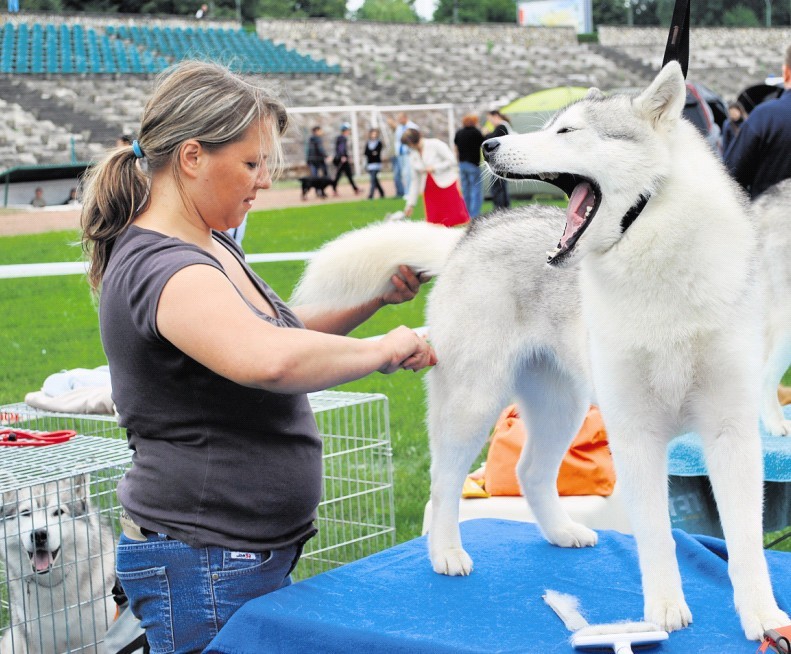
<point>26,438</point>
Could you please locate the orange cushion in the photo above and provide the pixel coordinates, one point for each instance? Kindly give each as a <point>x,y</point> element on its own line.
<point>587,468</point>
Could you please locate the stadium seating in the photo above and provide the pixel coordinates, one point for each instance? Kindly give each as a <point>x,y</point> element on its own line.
<point>66,49</point>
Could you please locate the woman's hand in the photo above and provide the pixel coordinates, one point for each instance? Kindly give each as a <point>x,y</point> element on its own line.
<point>408,211</point>
<point>406,285</point>
<point>406,350</point>
<point>430,171</point>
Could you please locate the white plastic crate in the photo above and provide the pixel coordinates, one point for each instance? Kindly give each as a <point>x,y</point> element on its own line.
<point>355,518</point>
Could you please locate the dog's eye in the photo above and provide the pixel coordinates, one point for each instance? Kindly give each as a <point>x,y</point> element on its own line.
<point>566,130</point>
<point>59,511</point>
<point>25,512</point>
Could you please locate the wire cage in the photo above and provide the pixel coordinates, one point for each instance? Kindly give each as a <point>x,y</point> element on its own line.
<point>57,542</point>
<point>59,515</point>
<point>356,516</point>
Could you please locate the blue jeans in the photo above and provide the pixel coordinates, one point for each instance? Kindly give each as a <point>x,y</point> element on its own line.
<point>183,595</point>
<point>316,168</point>
<point>471,187</point>
<point>401,174</point>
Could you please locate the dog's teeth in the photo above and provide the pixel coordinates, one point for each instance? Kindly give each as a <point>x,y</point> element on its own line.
<point>588,211</point>
<point>552,253</point>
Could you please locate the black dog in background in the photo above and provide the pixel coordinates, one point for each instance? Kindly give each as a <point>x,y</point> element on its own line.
<point>318,183</point>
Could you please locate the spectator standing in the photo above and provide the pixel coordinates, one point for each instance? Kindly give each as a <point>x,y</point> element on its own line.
<point>317,155</point>
<point>373,157</point>
<point>732,124</point>
<point>501,127</point>
<point>400,161</point>
<point>759,155</point>
<point>38,198</point>
<point>468,142</point>
<point>435,174</point>
<point>13,6</point>
<point>202,12</point>
<point>73,197</point>
<point>341,159</point>
<point>238,456</point>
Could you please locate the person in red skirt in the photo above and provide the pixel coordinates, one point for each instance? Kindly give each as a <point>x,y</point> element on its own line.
<point>435,174</point>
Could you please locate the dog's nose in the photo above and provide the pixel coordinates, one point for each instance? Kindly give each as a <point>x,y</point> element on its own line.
<point>489,147</point>
<point>40,537</point>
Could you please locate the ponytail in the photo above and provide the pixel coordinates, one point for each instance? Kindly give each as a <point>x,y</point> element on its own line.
<point>116,190</point>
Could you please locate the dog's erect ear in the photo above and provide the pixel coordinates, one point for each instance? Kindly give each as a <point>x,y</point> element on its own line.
<point>662,102</point>
<point>594,94</point>
<point>80,490</point>
<point>8,498</point>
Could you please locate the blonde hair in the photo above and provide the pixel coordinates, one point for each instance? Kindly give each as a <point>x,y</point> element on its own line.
<point>191,100</point>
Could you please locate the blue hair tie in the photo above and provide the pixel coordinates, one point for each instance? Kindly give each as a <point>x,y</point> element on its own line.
<point>136,149</point>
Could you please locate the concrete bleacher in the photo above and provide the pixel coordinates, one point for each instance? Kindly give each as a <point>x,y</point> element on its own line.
<point>725,60</point>
<point>333,63</point>
<point>473,66</point>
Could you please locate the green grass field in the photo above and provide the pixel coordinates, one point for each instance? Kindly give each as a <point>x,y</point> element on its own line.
<point>50,324</point>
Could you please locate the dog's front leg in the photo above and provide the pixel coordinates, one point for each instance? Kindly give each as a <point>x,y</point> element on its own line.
<point>735,464</point>
<point>641,468</point>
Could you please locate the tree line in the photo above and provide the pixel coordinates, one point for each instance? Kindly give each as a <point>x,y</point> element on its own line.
<point>727,13</point>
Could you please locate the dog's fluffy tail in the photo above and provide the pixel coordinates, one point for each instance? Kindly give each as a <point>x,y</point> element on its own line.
<point>357,266</point>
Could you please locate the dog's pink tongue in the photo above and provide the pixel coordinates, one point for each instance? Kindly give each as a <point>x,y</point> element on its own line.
<point>581,198</point>
<point>42,560</point>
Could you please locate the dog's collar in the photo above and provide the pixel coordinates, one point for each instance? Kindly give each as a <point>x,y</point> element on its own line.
<point>635,210</point>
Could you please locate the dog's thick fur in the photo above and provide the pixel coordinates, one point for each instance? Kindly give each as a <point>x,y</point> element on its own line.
<point>59,564</point>
<point>662,318</point>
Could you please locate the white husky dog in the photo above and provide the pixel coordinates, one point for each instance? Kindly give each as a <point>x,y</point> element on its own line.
<point>59,564</point>
<point>662,316</point>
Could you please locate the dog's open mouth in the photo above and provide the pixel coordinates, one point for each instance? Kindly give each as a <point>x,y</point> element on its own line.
<point>584,200</point>
<point>43,560</point>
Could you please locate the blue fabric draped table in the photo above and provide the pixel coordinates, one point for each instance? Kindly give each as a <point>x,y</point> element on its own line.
<point>393,602</point>
<point>692,506</point>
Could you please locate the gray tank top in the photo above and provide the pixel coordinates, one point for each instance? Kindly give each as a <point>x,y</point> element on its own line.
<point>213,463</point>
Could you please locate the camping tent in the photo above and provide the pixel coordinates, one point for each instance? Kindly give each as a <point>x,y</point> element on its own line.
<point>528,114</point>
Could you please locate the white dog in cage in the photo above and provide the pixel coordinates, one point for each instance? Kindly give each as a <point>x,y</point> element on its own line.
<point>59,569</point>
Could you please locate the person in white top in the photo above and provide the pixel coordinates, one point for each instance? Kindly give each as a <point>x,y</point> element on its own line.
<point>435,174</point>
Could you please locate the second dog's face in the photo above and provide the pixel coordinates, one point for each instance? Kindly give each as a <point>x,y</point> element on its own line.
<point>39,529</point>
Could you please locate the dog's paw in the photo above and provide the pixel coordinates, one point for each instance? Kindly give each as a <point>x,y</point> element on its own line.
<point>670,615</point>
<point>778,427</point>
<point>572,535</point>
<point>453,561</point>
<point>755,623</point>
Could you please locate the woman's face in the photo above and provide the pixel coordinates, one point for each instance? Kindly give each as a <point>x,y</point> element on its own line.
<point>373,134</point>
<point>231,177</point>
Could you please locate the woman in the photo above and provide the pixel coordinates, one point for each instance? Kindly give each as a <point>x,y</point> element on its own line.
<point>732,125</point>
<point>435,173</point>
<point>209,366</point>
<point>373,157</point>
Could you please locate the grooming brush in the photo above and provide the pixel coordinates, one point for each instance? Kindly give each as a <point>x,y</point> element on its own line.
<point>617,637</point>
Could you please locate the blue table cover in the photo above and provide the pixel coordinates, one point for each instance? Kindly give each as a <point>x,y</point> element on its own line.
<point>685,455</point>
<point>393,601</point>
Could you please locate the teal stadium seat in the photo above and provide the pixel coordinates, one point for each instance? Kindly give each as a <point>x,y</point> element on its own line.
<point>22,45</point>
